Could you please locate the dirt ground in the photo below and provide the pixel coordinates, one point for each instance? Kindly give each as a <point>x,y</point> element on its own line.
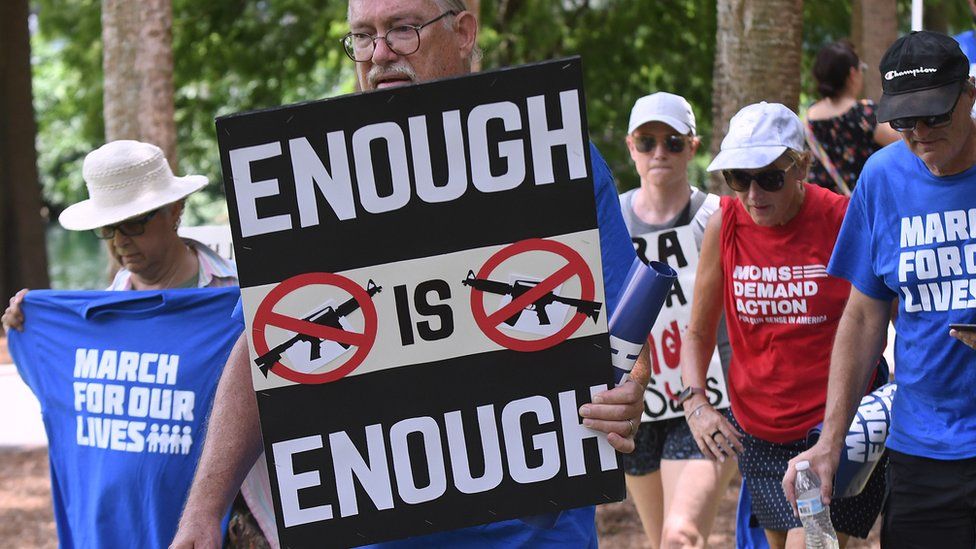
<point>26,519</point>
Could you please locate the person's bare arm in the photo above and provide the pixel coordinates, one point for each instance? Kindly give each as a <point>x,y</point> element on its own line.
<point>857,346</point>
<point>232,446</point>
<point>716,437</point>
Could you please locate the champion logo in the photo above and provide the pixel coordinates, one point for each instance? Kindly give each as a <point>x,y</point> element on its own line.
<point>891,75</point>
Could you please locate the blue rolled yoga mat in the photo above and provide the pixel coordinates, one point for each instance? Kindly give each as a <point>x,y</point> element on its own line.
<point>864,443</point>
<point>641,300</point>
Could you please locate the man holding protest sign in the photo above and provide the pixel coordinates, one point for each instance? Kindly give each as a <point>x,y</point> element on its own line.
<point>399,43</point>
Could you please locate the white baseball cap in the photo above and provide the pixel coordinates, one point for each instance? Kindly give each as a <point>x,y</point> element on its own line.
<point>665,107</point>
<point>758,135</point>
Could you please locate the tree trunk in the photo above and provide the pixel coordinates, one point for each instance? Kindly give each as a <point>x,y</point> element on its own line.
<point>757,58</point>
<point>138,66</point>
<point>874,26</point>
<point>23,254</point>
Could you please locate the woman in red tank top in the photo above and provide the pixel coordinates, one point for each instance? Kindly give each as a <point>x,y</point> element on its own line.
<point>764,259</point>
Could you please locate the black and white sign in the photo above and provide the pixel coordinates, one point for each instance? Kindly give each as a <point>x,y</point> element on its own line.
<point>421,281</point>
<point>676,247</point>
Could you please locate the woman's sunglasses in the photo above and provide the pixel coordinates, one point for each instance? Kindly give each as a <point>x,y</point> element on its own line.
<point>647,143</point>
<point>129,227</point>
<point>768,180</point>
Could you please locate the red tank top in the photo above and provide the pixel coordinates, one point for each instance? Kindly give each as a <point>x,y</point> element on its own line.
<point>782,310</point>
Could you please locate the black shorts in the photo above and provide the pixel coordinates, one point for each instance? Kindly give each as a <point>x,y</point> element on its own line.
<point>657,440</point>
<point>763,465</point>
<point>930,503</point>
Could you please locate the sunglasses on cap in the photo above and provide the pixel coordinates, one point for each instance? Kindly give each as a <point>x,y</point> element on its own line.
<point>647,143</point>
<point>768,180</point>
<point>908,123</point>
<point>130,227</point>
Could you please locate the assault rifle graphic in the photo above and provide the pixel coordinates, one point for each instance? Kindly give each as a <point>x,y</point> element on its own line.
<point>326,316</point>
<point>516,290</point>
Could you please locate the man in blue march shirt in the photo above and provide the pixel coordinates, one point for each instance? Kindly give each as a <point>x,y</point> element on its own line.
<point>447,35</point>
<point>910,233</point>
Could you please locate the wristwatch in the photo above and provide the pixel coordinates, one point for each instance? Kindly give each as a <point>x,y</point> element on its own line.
<point>687,393</point>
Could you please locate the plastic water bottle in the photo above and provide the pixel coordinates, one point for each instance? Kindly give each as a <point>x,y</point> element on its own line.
<point>814,515</point>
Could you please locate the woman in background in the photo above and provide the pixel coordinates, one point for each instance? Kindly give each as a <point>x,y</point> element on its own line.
<point>842,131</point>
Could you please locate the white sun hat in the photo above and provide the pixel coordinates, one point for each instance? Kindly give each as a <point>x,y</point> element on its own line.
<point>124,179</point>
<point>665,107</point>
<point>758,135</point>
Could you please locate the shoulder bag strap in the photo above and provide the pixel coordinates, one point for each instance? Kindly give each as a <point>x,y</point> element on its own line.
<point>821,155</point>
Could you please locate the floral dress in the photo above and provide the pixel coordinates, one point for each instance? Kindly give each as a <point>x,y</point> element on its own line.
<point>848,140</point>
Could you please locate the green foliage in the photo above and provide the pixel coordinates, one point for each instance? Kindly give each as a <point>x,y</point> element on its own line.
<point>232,56</point>
<point>630,48</point>
<point>67,64</point>
<point>229,56</point>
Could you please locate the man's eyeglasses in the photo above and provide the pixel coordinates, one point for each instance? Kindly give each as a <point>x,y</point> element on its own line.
<point>647,143</point>
<point>908,123</point>
<point>768,180</point>
<point>130,227</point>
<point>402,40</point>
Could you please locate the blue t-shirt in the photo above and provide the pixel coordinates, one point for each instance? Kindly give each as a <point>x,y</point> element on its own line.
<point>911,235</point>
<point>125,381</point>
<point>967,43</point>
<point>577,527</point>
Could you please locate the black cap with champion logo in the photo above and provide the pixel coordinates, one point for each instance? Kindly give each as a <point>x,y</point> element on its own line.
<point>921,75</point>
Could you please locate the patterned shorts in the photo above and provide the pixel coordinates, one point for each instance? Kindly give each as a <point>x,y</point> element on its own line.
<point>657,440</point>
<point>763,465</point>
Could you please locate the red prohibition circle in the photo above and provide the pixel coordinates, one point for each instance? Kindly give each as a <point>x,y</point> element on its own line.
<point>265,316</point>
<point>575,266</point>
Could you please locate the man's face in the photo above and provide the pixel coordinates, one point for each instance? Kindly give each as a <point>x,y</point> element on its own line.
<point>944,150</point>
<point>659,165</point>
<point>445,46</point>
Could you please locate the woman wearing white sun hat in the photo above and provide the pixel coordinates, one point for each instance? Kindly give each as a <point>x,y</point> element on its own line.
<point>135,204</point>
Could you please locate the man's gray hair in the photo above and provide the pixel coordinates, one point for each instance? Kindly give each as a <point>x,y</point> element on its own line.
<point>455,5</point>
<point>459,6</point>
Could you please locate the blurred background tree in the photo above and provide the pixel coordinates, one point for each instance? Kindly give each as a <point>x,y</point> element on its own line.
<point>22,258</point>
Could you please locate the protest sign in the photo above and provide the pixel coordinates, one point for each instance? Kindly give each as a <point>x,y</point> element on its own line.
<point>677,248</point>
<point>422,289</point>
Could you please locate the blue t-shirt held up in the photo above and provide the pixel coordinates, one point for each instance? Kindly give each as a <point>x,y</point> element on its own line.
<point>911,235</point>
<point>125,381</point>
